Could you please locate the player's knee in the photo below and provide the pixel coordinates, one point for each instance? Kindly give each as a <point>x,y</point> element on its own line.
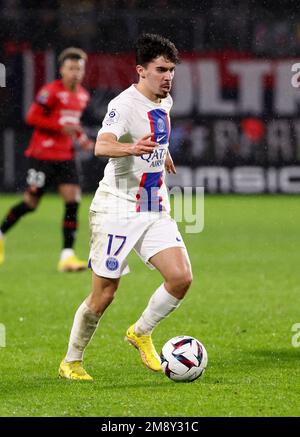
<point>32,202</point>
<point>181,281</point>
<point>189,279</point>
<point>186,281</point>
<point>72,197</point>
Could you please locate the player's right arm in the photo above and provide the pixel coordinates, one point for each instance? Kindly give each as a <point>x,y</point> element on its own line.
<point>37,117</point>
<point>107,145</point>
<point>116,123</point>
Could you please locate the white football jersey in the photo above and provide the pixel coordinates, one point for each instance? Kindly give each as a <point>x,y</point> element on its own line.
<point>137,179</point>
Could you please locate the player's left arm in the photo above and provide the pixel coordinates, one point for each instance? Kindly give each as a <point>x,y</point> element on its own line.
<point>169,164</point>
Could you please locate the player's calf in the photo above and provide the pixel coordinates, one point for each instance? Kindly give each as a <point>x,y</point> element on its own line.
<point>14,215</point>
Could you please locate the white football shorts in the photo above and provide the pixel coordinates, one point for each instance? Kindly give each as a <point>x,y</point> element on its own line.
<point>113,236</point>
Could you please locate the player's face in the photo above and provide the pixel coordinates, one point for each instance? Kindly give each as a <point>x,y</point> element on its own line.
<point>157,77</point>
<point>72,71</point>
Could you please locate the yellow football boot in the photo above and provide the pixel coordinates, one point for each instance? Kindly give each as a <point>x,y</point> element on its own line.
<point>2,251</point>
<point>145,347</point>
<point>73,370</point>
<point>71,264</point>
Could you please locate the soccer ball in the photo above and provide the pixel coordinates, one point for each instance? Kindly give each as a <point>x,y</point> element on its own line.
<point>183,358</point>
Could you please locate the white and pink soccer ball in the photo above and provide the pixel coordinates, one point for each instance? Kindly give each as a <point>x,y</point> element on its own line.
<point>183,358</point>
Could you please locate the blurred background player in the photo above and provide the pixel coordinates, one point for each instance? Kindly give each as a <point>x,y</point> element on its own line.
<point>131,209</point>
<point>55,116</point>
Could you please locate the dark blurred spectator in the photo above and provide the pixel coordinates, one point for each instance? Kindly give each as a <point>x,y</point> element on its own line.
<point>266,28</point>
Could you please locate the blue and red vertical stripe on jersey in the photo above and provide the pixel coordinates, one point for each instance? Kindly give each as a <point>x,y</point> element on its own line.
<point>159,125</point>
<point>147,196</point>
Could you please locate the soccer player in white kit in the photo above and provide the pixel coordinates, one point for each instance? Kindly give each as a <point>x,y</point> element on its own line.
<point>130,209</point>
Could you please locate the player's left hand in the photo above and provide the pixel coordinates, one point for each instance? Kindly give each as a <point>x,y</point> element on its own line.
<point>85,143</point>
<point>169,164</point>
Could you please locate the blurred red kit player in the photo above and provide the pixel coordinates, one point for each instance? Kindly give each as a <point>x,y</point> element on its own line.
<point>55,116</point>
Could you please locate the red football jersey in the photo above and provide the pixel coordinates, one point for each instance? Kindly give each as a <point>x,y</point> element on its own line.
<point>54,107</point>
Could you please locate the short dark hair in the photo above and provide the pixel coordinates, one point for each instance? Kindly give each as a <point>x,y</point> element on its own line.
<point>149,46</point>
<point>71,53</point>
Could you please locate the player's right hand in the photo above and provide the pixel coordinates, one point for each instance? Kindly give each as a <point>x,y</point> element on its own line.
<point>71,129</point>
<point>144,145</point>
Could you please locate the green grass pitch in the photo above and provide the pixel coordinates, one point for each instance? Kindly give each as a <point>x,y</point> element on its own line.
<point>242,305</point>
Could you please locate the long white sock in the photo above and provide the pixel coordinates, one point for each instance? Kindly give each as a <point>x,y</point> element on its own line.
<point>83,329</point>
<point>159,307</point>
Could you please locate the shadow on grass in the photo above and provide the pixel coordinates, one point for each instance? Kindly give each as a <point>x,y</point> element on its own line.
<point>258,358</point>
<point>41,383</point>
<point>287,354</point>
